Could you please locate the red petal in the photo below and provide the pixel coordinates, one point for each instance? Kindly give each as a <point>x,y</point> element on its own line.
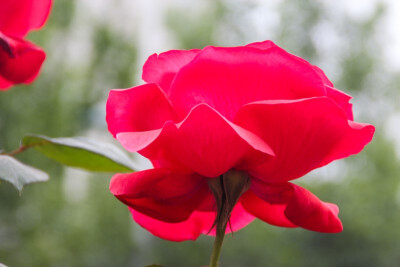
<point>339,97</point>
<point>161,193</point>
<point>269,213</point>
<point>17,17</point>
<point>227,78</point>
<point>268,44</point>
<point>353,141</point>
<point>307,211</point>
<point>161,69</point>
<point>4,84</point>
<point>322,75</point>
<point>289,205</point>
<point>154,145</point>
<point>20,61</point>
<point>264,45</point>
<point>209,147</point>
<point>141,108</point>
<point>342,99</point>
<point>304,134</point>
<point>199,222</point>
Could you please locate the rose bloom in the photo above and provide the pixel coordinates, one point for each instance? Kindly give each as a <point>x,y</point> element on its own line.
<point>20,60</point>
<point>254,109</point>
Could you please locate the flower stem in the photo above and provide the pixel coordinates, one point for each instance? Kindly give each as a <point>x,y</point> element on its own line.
<point>227,189</point>
<point>16,151</point>
<point>216,252</point>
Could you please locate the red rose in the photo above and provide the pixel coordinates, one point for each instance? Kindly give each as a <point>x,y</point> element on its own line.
<point>208,115</point>
<point>20,61</point>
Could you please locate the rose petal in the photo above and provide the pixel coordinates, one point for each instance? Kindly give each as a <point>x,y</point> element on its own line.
<point>199,222</point>
<point>161,69</point>
<point>203,143</point>
<point>264,45</point>
<point>304,134</point>
<point>289,205</point>
<point>354,139</point>
<point>154,145</point>
<point>338,96</point>
<point>160,193</point>
<point>342,99</point>
<point>20,61</point>
<point>240,75</point>
<point>17,17</point>
<point>307,211</point>
<point>267,212</point>
<point>4,84</point>
<point>322,75</point>
<point>141,108</point>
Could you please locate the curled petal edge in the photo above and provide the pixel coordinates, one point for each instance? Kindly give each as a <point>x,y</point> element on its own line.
<point>289,205</point>
<point>161,193</point>
<point>182,139</point>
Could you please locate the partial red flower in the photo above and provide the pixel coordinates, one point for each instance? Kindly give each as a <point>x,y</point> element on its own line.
<point>254,110</point>
<point>20,60</point>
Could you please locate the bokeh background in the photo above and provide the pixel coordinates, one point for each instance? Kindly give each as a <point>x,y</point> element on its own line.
<point>93,46</point>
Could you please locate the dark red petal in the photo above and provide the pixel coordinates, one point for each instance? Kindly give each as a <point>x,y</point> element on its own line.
<point>17,17</point>
<point>342,99</point>
<point>161,69</point>
<point>204,142</point>
<point>160,193</point>
<point>199,222</point>
<point>269,213</point>
<point>20,61</point>
<point>141,108</point>
<point>227,78</point>
<point>304,134</point>
<point>307,211</point>
<point>289,205</point>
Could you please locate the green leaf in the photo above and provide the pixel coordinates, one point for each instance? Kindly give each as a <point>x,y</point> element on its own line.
<point>19,174</point>
<point>82,153</point>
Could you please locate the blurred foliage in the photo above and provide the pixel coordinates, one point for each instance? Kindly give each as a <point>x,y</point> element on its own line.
<point>48,227</point>
<point>196,31</point>
<point>43,227</point>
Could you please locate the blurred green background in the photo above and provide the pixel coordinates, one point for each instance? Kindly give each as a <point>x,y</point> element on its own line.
<point>93,46</point>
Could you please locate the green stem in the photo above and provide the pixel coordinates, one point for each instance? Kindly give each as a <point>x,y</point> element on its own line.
<point>16,151</point>
<point>216,252</point>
